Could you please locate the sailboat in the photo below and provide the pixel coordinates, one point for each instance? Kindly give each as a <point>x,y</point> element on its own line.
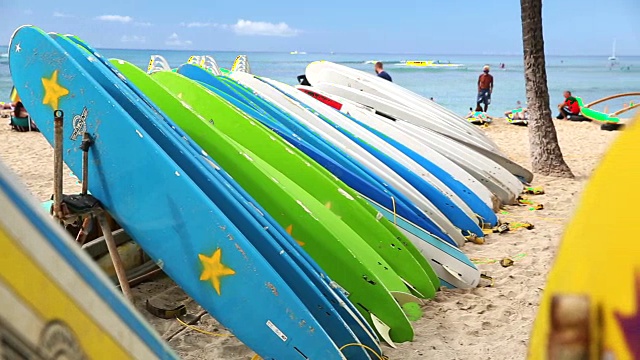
<point>613,54</point>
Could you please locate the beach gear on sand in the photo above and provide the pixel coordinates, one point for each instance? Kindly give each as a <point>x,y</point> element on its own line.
<point>22,124</point>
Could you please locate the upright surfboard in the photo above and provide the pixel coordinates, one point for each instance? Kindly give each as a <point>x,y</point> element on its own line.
<point>54,301</point>
<point>591,303</point>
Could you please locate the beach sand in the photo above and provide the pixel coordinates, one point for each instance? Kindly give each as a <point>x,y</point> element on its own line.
<point>483,323</point>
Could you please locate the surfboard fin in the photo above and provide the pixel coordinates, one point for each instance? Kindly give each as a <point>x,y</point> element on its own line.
<point>409,304</point>
<point>413,290</point>
<point>454,274</point>
<point>405,297</point>
<point>383,330</point>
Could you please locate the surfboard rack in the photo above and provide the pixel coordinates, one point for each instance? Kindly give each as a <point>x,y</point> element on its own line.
<point>71,208</point>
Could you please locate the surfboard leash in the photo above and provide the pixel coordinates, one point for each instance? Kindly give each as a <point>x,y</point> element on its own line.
<point>194,328</point>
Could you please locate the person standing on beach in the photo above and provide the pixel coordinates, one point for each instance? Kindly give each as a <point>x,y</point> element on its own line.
<point>380,71</point>
<point>485,88</point>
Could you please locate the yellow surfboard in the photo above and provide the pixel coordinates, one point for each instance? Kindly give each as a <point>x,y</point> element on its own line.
<point>591,304</point>
<point>54,301</point>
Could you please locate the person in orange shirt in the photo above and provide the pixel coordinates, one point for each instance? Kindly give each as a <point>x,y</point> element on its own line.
<point>485,88</point>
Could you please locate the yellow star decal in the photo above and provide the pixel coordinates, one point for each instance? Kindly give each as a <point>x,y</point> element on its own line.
<point>214,269</point>
<point>53,91</point>
<point>290,231</point>
<point>328,206</point>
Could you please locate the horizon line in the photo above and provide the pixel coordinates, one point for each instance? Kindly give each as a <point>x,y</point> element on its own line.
<point>356,53</point>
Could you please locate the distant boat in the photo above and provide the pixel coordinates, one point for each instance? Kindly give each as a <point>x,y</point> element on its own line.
<point>296,52</point>
<point>613,53</point>
<point>430,64</point>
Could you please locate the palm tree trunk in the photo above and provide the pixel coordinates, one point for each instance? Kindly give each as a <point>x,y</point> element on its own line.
<point>546,155</point>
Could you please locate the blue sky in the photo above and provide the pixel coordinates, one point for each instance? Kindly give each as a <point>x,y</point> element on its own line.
<point>579,27</point>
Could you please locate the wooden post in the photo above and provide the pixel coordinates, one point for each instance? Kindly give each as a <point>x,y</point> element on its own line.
<point>84,232</point>
<point>115,256</point>
<point>58,122</point>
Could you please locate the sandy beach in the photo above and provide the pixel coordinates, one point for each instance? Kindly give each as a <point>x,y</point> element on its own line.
<point>483,323</point>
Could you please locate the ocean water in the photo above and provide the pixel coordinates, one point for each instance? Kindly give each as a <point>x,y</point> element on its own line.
<point>588,77</point>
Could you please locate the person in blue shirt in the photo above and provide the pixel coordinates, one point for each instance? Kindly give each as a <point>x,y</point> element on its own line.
<point>381,73</point>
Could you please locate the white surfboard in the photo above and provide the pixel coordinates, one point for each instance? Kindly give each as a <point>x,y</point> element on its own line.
<point>327,132</point>
<point>500,181</point>
<point>359,112</point>
<point>364,134</point>
<point>324,71</point>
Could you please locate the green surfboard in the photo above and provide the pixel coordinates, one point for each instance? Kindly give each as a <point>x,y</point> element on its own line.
<point>339,250</point>
<point>201,98</point>
<point>343,201</point>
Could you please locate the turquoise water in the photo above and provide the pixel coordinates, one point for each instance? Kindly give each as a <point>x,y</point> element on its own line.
<point>588,77</point>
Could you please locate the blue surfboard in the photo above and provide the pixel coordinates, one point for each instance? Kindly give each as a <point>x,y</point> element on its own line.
<point>466,194</point>
<point>452,266</point>
<point>326,154</point>
<point>161,207</point>
<point>456,215</point>
<point>307,289</point>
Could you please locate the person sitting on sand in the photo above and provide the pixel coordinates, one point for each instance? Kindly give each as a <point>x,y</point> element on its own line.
<point>19,111</point>
<point>485,88</point>
<point>569,107</point>
<point>478,117</point>
<point>379,69</point>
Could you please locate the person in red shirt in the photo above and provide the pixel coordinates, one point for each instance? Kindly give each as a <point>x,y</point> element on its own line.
<point>485,88</point>
<point>569,107</point>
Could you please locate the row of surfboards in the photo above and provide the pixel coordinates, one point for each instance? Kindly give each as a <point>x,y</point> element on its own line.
<point>310,226</point>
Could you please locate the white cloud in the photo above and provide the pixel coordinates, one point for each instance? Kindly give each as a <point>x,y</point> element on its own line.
<point>142,23</point>
<point>197,24</point>
<point>263,28</point>
<point>59,14</point>
<point>115,18</point>
<point>133,39</point>
<point>174,40</point>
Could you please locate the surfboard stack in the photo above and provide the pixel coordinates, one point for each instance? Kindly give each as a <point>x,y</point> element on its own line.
<point>309,226</point>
